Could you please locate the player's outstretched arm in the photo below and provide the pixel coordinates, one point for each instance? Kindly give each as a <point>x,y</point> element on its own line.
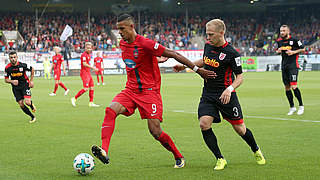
<point>180,67</point>
<point>290,52</point>
<point>205,74</point>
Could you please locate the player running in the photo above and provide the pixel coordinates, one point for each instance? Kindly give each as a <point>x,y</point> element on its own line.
<point>86,76</point>
<point>290,49</point>
<point>57,61</point>
<point>98,63</point>
<point>142,89</point>
<point>218,95</point>
<point>20,83</point>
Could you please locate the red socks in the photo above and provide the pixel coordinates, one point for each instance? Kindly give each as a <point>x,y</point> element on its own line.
<point>63,86</point>
<point>98,78</point>
<point>55,87</point>
<point>91,95</point>
<point>80,93</point>
<point>107,128</point>
<point>167,142</point>
<point>102,78</point>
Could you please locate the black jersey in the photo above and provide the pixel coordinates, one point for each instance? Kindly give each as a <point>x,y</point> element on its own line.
<point>18,72</point>
<point>289,62</point>
<point>225,62</point>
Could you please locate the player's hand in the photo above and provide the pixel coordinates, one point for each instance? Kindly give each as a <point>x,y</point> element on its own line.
<point>15,82</point>
<point>96,69</point>
<point>64,73</point>
<point>178,68</point>
<point>278,50</point>
<point>225,96</point>
<point>206,74</point>
<point>290,53</point>
<point>31,84</point>
<point>162,59</point>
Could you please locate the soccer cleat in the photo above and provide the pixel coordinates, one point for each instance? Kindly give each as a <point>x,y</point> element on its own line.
<point>259,157</point>
<point>292,110</point>
<point>34,108</point>
<point>100,153</point>
<point>180,163</point>
<point>91,104</point>
<point>66,92</point>
<point>52,94</point>
<point>73,101</point>
<point>221,163</point>
<point>103,84</point>
<point>300,110</point>
<point>98,84</point>
<point>33,120</point>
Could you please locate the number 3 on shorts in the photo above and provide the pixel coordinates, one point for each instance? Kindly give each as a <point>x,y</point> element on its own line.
<point>154,108</point>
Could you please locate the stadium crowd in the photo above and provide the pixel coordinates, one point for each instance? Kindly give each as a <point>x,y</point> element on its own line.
<point>251,35</point>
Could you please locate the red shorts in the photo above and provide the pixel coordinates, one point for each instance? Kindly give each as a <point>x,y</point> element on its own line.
<point>148,102</point>
<point>87,80</point>
<point>57,75</point>
<point>99,72</point>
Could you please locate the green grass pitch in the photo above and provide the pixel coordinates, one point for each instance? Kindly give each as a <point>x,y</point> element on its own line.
<point>45,149</point>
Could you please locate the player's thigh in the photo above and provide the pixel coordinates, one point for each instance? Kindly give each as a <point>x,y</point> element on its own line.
<point>150,105</point>
<point>285,77</point>
<point>232,111</point>
<point>18,94</point>
<point>57,75</point>
<point>208,107</point>
<point>125,98</point>
<point>91,83</point>
<point>85,81</point>
<point>293,75</point>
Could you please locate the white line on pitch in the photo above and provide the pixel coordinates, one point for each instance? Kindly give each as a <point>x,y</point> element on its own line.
<point>259,117</point>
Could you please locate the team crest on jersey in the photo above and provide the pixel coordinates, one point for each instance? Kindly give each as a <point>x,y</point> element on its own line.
<point>21,69</point>
<point>222,56</point>
<point>291,42</point>
<point>135,52</point>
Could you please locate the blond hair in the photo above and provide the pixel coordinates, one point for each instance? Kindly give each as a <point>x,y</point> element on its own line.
<point>218,25</point>
<point>57,48</point>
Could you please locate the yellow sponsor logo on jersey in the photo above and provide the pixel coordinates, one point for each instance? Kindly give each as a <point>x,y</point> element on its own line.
<point>284,48</point>
<point>210,62</point>
<point>16,74</point>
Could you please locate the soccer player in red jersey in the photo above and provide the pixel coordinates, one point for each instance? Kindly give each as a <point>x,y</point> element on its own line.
<point>142,89</point>
<point>98,63</point>
<point>57,61</point>
<point>86,76</point>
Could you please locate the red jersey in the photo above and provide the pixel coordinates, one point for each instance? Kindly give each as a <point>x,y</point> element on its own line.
<point>57,61</point>
<point>141,63</point>
<point>85,57</point>
<point>97,62</point>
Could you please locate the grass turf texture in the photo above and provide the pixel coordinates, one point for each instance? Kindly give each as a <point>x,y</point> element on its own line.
<point>46,149</point>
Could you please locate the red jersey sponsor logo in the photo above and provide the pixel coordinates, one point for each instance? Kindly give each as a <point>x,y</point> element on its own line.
<point>211,62</point>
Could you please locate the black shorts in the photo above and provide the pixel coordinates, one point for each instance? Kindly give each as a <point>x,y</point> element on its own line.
<point>290,76</point>
<point>211,105</point>
<point>21,92</point>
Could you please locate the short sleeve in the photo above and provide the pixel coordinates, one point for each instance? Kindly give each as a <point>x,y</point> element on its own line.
<point>28,67</point>
<point>299,44</point>
<point>236,64</point>
<point>153,47</point>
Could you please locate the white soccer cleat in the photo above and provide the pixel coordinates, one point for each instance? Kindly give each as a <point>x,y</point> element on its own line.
<point>103,84</point>
<point>66,92</point>
<point>33,120</point>
<point>98,84</point>
<point>52,94</point>
<point>73,101</point>
<point>91,104</point>
<point>291,111</point>
<point>300,110</point>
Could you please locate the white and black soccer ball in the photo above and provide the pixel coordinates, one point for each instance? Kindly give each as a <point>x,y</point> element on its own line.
<point>83,163</point>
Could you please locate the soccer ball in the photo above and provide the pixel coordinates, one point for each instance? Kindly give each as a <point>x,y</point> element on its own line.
<point>83,163</point>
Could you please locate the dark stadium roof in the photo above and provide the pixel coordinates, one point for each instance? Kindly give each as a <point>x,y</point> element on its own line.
<point>169,6</point>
